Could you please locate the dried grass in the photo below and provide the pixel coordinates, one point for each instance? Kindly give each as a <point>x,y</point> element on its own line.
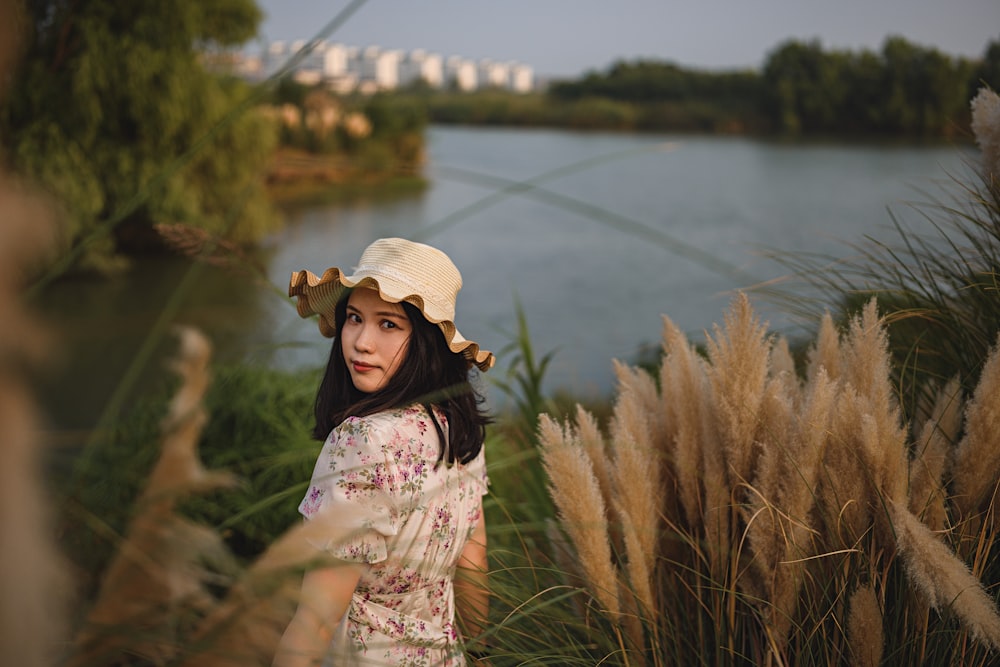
<point>683,385</point>
<point>739,353</point>
<point>977,467</point>
<point>33,577</point>
<point>932,451</point>
<point>864,628</point>
<point>581,509</point>
<point>789,494</point>
<point>943,579</point>
<point>825,353</point>
<point>244,629</point>
<point>157,580</point>
<point>639,492</point>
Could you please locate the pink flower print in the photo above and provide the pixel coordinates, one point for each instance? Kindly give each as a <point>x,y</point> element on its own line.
<point>313,501</point>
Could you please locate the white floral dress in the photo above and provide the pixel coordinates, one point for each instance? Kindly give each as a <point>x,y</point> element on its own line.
<point>417,517</point>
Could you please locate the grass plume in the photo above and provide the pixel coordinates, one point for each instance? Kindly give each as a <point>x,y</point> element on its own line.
<point>157,578</point>
<point>33,575</point>
<point>792,504</point>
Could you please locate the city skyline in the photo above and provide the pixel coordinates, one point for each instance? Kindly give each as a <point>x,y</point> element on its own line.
<point>567,38</point>
<point>346,68</point>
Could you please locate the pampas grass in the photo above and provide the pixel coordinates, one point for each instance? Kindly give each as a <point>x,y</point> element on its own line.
<point>977,466</point>
<point>931,454</point>
<point>33,576</point>
<point>582,510</point>
<point>864,628</point>
<point>157,577</point>
<point>787,509</point>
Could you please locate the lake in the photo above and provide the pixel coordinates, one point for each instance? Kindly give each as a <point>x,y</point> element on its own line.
<point>596,235</point>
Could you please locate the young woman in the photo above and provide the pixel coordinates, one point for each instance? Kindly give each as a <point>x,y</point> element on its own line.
<point>403,438</point>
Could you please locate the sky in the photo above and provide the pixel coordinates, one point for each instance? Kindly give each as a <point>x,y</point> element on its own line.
<point>567,38</point>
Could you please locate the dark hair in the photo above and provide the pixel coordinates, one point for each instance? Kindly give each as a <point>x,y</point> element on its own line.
<point>431,374</point>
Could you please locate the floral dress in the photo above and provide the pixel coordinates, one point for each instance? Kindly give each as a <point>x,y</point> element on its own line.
<point>415,517</point>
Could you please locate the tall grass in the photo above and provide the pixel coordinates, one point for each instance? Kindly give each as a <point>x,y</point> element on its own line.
<point>772,521</point>
<point>33,574</point>
<point>842,512</point>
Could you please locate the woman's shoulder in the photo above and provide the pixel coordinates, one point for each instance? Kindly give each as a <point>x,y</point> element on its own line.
<point>391,419</point>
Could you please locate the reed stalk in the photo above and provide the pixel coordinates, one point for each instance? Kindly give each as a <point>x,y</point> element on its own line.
<point>158,581</point>
<point>34,577</point>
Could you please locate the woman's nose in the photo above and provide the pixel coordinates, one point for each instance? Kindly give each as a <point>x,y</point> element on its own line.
<point>365,340</point>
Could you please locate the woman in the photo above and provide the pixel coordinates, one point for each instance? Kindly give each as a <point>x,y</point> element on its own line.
<point>403,451</point>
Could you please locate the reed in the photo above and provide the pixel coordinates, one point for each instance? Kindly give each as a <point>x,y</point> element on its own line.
<point>807,487</point>
<point>582,510</point>
<point>34,577</point>
<point>157,582</point>
<point>976,467</point>
<point>864,628</point>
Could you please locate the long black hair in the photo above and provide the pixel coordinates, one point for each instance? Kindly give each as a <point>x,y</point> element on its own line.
<point>430,374</point>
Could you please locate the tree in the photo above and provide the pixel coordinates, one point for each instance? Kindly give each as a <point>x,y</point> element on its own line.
<point>807,86</point>
<point>112,111</point>
<point>988,71</point>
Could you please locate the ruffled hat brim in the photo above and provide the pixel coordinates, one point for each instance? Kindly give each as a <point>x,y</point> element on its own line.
<point>320,295</point>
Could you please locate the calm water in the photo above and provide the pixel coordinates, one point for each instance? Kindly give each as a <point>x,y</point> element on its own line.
<point>611,232</point>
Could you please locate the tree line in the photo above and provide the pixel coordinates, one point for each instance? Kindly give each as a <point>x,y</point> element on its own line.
<point>904,89</point>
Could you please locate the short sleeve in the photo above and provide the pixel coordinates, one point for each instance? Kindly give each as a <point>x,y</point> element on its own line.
<point>476,475</point>
<point>351,479</point>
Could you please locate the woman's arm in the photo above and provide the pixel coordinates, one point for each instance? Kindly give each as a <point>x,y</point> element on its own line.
<point>472,596</point>
<point>326,595</point>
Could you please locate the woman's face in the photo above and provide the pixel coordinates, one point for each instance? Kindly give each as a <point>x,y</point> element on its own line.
<point>374,339</point>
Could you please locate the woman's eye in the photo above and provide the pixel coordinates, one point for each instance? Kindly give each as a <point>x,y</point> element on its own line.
<point>388,324</point>
<point>353,318</point>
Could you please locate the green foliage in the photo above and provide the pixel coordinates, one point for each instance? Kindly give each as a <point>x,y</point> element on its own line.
<point>525,376</point>
<point>905,89</point>
<point>150,136</point>
<point>259,428</point>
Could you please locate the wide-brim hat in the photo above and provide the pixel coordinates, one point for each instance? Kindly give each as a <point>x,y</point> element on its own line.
<point>400,270</point>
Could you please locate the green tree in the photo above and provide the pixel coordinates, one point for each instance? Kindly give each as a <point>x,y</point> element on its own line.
<point>114,113</point>
<point>807,86</point>
<point>988,70</point>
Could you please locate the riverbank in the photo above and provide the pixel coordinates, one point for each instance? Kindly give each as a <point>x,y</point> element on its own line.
<point>297,178</point>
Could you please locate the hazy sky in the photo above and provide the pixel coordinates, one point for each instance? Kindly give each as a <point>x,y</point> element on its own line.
<point>569,37</point>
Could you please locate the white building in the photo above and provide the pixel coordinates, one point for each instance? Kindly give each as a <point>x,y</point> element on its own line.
<point>377,69</point>
<point>461,73</point>
<point>345,69</point>
<point>522,78</point>
<point>333,59</point>
<point>418,65</point>
<point>492,74</point>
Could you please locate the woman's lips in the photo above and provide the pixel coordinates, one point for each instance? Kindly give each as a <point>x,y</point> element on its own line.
<point>362,367</point>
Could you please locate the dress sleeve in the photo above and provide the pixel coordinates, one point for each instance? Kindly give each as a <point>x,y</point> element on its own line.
<point>479,480</point>
<point>352,478</point>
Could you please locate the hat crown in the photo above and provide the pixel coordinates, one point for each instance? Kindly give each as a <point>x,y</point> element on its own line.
<point>417,269</point>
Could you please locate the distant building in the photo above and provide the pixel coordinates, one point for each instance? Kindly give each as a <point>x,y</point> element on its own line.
<point>461,73</point>
<point>522,78</point>
<point>379,68</point>
<point>346,69</point>
<point>492,74</point>
<point>418,65</point>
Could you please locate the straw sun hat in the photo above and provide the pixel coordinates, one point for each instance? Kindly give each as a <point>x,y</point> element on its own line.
<point>400,270</point>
